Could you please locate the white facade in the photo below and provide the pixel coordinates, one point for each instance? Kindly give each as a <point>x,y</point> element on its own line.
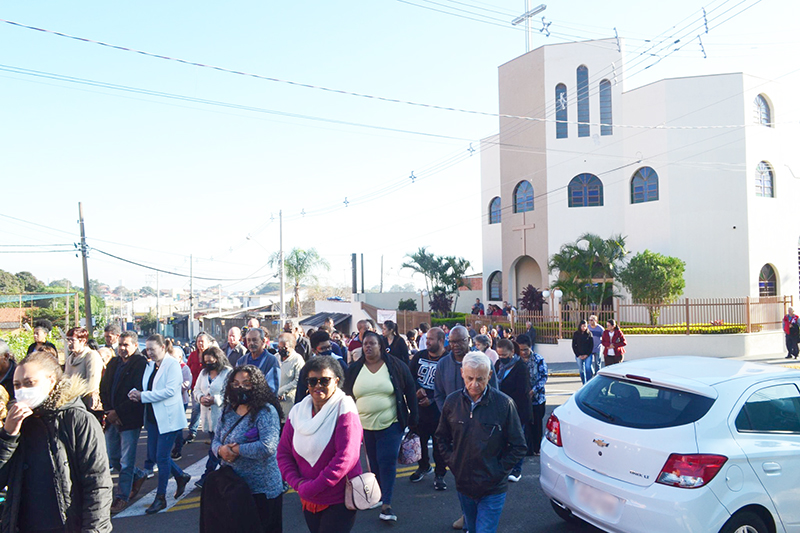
<point>707,211</point>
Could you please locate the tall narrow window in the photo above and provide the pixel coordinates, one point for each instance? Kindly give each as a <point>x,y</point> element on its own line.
<point>583,101</point>
<point>561,112</point>
<point>496,286</point>
<point>764,180</point>
<point>767,285</point>
<point>585,190</point>
<point>644,186</point>
<point>606,123</point>
<point>763,112</point>
<point>494,210</point>
<point>523,197</point>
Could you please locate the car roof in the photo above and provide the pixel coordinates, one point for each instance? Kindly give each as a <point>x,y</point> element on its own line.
<point>694,374</point>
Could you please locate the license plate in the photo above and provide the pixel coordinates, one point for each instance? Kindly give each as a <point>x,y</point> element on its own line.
<point>596,501</point>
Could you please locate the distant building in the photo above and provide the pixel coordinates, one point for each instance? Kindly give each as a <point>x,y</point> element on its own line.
<point>723,199</point>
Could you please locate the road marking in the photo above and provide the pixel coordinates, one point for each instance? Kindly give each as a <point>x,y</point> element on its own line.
<point>186,504</point>
<point>138,507</point>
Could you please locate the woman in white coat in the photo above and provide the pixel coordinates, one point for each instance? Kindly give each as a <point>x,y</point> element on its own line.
<point>208,392</point>
<point>164,416</point>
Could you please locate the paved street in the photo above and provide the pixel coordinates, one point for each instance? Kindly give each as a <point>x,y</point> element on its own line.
<point>418,506</point>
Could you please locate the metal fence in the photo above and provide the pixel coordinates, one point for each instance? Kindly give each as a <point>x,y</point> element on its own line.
<point>688,315</point>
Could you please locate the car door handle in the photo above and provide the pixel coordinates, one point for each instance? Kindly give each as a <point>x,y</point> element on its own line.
<point>771,468</point>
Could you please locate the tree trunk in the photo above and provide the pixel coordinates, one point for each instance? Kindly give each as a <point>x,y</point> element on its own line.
<point>297,299</point>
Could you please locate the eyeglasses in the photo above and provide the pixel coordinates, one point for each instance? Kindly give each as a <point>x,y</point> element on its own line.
<point>324,381</point>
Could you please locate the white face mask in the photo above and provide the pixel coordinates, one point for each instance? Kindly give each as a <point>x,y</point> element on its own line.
<point>33,397</point>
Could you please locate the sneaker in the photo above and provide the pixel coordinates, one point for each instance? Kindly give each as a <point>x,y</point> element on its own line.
<point>387,515</point>
<point>379,504</point>
<point>419,473</point>
<point>788,356</point>
<point>459,524</point>
<point>159,504</point>
<point>180,484</point>
<point>118,505</point>
<point>515,476</point>
<point>199,483</point>
<point>136,487</point>
<point>176,455</point>
<point>190,438</point>
<point>439,484</point>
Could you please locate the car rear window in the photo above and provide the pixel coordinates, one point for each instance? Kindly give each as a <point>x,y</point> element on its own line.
<point>639,405</point>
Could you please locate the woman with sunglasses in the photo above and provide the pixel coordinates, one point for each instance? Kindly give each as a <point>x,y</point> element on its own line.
<point>246,438</point>
<point>320,445</point>
<point>386,397</point>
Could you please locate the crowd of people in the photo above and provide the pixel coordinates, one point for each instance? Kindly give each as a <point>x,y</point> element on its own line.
<point>293,413</point>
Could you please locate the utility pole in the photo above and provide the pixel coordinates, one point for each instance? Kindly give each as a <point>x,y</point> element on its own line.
<point>86,292</point>
<point>381,273</point>
<point>282,317</point>
<point>362,273</point>
<point>66,317</point>
<point>190,324</point>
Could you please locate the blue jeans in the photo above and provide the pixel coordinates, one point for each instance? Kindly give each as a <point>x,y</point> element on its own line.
<point>597,359</point>
<point>159,446</point>
<point>179,440</point>
<point>212,463</point>
<point>383,448</point>
<point>194,419</point>
<point>585,368</point>
<point>121,446</point>
<point>482,516</point>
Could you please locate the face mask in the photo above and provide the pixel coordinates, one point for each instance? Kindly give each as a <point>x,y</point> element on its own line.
<point>210,366</point>
<point>327,352</point>
<point>33,397</point>
<point>283,351</point>
<point>240,396</point>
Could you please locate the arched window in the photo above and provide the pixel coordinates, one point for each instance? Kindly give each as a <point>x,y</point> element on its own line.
<point>644,186</point>
<point>606,127</point>
<point>494,210</point>
<point>561,111</point>
<point>523,197</point>
<point>763,112</point>
<point>583,101</point>
<point>765,180</point>
<point>496,286</point>
<point>767,285</point>
<point>585,190</point>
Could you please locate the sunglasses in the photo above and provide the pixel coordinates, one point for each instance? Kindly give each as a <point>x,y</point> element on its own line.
<point>324,381</point>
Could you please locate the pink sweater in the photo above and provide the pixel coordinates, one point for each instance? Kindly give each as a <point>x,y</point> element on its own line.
<point>323,483</point>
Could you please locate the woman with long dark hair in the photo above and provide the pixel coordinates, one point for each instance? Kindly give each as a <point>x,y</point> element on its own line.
<point>582,347</point>
<point>397,346</point>
<point>613,343</point>
<point>246,439</point>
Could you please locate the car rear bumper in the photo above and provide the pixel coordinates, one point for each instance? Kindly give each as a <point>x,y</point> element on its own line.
<point>617,506</point>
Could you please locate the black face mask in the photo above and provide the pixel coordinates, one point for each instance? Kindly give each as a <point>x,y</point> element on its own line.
<point>284,352</point>
<point>211,366</point>
<point>239,396</point>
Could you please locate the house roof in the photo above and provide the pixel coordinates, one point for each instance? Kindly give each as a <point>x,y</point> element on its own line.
<point>317,320</point>
<point>11,314</point>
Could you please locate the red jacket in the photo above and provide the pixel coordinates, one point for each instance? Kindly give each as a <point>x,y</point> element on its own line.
<point>787,322</point>
<point>616,341</point>
<point>195,365</point>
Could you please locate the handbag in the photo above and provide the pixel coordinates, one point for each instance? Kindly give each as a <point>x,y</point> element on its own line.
<point>410,449</point>
<point>362,492</point>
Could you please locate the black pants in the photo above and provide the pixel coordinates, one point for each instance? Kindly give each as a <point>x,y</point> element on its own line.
<point>791,345</point>
<point>270,511</point>
<point>335,519</point>
<point>428,422</point>
<point>534,429</point>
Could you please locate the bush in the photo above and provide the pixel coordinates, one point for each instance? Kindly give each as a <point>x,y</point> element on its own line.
<point>19,342</point>
<point>409,304</point>
<point>694,329</point>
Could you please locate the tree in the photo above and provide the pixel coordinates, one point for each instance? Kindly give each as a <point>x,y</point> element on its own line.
<point>440,303</point>
<point>28,282</point>
<point>654,279</point>
<point>147,291</point>
<point>148,323</point>
<point>300,266</point>
<point>9,283</point>
<point>424,263</point>
<point>62,284</point>
<point>587,268</point>
<point>532,299</point>
<point>443,274</point>
<point>409,304</point>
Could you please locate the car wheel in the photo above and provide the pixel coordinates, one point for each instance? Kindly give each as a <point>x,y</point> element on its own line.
<point>565,514</point>
<point>745,522</point>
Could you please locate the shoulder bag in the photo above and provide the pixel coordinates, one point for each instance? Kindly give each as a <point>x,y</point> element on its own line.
<point>362,492</point>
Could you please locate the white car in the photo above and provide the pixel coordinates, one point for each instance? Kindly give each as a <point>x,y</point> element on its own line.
<point>678,444</point>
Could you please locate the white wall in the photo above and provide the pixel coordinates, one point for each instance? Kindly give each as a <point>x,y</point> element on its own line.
<point>645,346</point>
<point>492,234</point>
<point>389,300</point>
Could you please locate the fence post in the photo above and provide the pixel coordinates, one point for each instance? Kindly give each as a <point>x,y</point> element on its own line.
<point>747,314</point>
<point>686,300</point>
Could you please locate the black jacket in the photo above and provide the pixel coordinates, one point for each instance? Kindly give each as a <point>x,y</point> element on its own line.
<point>226,504</point>
<point>237,352</point>
<point>398,348</point>
<point>517,385</point>
<point>130,413</point>
<point>8,382</point>
<point>303,347</point>
<point>405,388</point>
<point>582,343</point>
<point>481,446</point>
<point>302,386</point>
<point>81,478</point>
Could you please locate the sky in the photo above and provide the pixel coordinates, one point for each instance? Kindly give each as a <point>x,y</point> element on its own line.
<point>203,168</point>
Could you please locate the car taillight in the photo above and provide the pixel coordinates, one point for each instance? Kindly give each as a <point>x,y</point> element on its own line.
<point>690,471</point>
<point>553,433</point>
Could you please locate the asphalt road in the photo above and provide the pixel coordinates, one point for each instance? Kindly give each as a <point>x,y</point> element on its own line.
<point>418,507</point>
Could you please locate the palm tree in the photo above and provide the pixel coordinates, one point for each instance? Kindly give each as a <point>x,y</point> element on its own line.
<point>300,266</point>
<point>425,263</point>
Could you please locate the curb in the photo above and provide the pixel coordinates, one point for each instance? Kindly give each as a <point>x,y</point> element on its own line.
<point>564,374</point>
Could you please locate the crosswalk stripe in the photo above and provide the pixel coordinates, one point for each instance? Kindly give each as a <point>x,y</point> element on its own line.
<point>138,507</point>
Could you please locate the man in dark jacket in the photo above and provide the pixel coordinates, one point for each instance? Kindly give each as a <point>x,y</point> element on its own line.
<point>481,439</point>
<point>234,348</point>
<point>124,417</point>
<point>514,380</point>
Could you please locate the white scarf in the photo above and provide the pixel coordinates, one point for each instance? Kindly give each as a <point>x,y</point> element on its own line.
<point>313,433</point>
